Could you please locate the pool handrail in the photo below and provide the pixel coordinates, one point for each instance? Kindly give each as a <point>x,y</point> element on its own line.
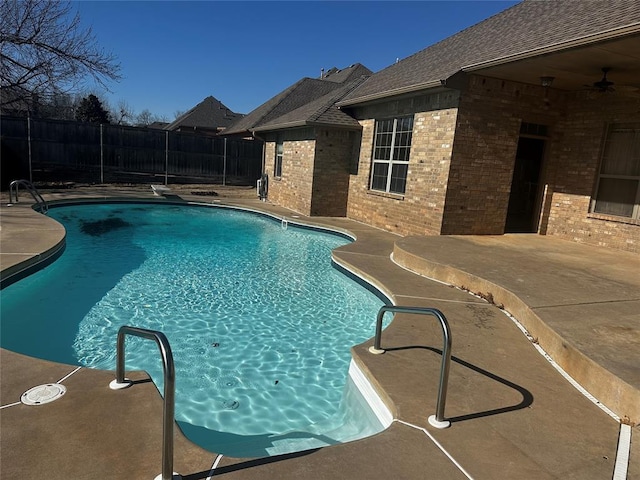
<point>168,409</point>
<point>438,420</point>
<point>40,201</point>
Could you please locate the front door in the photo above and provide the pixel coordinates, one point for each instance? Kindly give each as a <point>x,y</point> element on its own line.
<point>523,211</point>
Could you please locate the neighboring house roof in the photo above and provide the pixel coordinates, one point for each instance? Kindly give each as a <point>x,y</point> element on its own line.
<point>210,114</point>
<point>158,125</point>
<point>310,101</point>
<point>527,29</point>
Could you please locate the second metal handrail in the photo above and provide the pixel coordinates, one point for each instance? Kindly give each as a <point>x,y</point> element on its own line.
<point>438,420</point>
<point>40,201</point>
<point>168,409</point>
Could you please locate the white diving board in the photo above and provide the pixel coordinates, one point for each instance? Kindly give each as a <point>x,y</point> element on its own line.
<point>160,190</point>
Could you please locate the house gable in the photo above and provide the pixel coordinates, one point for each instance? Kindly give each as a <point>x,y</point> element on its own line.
<point>304,102</point>
<point>309,142</point>
<point>209,115</point>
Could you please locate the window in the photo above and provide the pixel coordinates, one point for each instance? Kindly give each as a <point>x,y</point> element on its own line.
<point>277,168</point>
<point>392,144</point>
<point>618,190</point>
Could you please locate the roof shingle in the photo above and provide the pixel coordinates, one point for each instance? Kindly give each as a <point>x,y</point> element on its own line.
<point>308,101</point>
<point>211,113</point>
<point>528,26</point>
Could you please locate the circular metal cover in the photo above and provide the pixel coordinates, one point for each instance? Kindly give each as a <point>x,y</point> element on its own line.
<point>43,394</point>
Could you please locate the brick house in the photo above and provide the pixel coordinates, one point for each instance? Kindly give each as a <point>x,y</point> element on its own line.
<point>526,122</point>
<point>309,142</point>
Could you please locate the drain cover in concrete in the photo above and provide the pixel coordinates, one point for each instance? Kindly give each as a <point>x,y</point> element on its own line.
<point>43,394</point>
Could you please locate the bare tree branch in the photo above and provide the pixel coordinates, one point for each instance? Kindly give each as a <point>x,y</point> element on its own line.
<point>122,114</point>
<point>44,50</point>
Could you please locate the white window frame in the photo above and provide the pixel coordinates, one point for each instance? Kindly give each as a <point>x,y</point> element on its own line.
<point>277,162</point>
<point>634,127</point>
<point>390,161</point>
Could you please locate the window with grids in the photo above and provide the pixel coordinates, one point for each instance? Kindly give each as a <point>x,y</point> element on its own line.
<point>277,168</point>
<point>391,148</point>
<point>618,190</point>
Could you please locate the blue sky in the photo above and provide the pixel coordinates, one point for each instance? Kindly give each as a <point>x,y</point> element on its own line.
<point>173,54</point>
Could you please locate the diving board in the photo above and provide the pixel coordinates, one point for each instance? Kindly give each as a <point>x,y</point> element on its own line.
<point>160,190</point>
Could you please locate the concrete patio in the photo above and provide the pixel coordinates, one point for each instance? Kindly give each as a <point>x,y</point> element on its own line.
<point>513,414</point>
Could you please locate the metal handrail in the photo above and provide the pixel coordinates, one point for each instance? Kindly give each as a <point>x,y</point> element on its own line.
<point>41,202</point>
<point>438,420</point>
<point>168,409</point>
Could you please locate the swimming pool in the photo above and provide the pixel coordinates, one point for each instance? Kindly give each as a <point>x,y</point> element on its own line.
<point>259,321</point>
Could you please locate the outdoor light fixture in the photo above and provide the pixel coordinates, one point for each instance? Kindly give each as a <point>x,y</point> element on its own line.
<point>546,81</point>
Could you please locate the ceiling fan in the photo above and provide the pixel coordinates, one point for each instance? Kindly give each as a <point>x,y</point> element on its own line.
<point>604,85</point>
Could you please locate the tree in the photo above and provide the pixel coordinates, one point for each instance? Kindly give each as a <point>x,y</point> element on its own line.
<point>146,118</point>
<point>45,51</point>
<point>91,110</point>
<point>122,114</point>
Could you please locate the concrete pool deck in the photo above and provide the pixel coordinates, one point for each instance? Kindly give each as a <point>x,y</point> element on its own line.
<point>513,415</point>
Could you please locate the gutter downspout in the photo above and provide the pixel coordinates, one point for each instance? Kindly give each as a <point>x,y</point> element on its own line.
<point>264,145</point>
<point>263,183</point>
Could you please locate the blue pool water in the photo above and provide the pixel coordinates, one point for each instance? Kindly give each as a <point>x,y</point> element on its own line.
<point>259,321</point>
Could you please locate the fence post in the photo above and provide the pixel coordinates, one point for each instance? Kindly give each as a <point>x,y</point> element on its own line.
<point>101,153</point>
<point>29,146</point>
<point>224,164</point>
<point>166,159</point>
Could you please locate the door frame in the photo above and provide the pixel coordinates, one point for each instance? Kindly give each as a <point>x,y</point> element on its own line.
<point>536,213</point>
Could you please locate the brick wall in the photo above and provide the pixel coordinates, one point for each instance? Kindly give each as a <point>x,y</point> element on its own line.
<point>293,189</point>
<point>333,158</point>
<point>461,163</point>
<point>484,152</point>
<point>420,210</point>
<point>574,163</point>
<point>315,170</point>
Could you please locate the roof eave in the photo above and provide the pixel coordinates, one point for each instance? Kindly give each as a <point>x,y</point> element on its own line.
<point>556,47</point>
<point>303,123</point>
<point>391,93</point>
<point>233,133</point>
<point>612,34</point>
<point>280,126</point>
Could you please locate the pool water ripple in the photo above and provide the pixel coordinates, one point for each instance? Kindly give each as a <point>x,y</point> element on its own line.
<point>259,321</point>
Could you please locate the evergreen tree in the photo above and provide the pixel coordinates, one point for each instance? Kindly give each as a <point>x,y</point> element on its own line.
<point>91,110</point>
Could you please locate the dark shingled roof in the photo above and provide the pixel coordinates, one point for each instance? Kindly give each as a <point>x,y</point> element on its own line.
<point>211,113</point>
<point>526,27</point>
<point>321,111</point>
<point>310,101</point>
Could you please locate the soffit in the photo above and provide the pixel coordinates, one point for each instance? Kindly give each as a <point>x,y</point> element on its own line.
<point>578,68</point>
